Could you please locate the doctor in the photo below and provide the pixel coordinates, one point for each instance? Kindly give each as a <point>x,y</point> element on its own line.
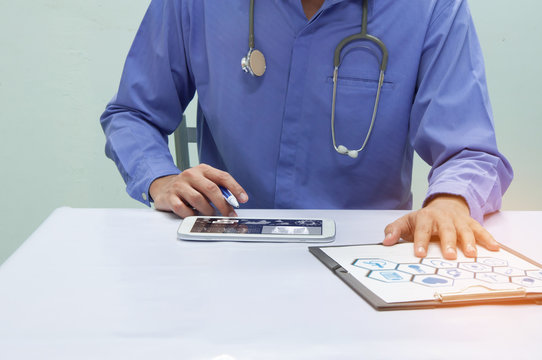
<point>298,126</point>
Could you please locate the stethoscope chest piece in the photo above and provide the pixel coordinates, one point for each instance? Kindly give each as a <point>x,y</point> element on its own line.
<point>254,63</point>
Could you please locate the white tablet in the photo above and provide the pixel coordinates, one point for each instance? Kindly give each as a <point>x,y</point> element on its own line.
<point>220,228</point>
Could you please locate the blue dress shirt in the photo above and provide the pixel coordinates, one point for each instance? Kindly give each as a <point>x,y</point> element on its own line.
<point>273,133</point>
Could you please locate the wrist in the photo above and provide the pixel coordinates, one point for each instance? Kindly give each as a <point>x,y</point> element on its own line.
<point>157,184</point>
<point>455,200</point>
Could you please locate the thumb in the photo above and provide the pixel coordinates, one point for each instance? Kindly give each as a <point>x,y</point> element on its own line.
<point>394,231</point>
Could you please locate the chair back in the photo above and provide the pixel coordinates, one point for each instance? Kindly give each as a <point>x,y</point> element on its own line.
<point>183,136</point>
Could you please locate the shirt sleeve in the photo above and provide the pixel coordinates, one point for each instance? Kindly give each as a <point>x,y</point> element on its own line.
<point>155,89</point>
<point>452,125</point>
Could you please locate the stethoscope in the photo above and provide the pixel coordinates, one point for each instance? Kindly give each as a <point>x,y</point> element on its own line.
<point>254,64</point>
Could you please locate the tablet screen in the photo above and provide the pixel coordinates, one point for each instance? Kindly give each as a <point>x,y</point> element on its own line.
<point>257,226</point>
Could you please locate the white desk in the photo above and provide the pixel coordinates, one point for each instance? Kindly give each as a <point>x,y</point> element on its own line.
<point>116,284</point>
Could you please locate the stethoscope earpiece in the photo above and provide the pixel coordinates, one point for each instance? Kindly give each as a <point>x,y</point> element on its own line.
<point>341,149</point>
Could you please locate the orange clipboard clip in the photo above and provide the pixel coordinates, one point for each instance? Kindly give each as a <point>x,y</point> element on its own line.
<point>488,294</point>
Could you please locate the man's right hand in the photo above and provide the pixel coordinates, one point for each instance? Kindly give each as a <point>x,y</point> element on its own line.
<point>194,189</point>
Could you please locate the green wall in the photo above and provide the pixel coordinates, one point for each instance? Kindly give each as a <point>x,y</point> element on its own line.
<point>60,63</point>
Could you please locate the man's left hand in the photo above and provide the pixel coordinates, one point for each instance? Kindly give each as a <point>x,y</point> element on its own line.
<point>446,217</point>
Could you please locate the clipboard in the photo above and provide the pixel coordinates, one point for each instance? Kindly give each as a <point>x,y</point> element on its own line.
<point>355,265</point>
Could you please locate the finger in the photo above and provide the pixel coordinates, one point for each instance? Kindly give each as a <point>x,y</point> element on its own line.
<point>394,230</point>
<point>422,234</point>
<point>448,238</point>
<point>468,243</point>
<point>196,200</point>
<point>212,192</point>
<point>179,207</point>
<point>484,238</point>
<point>225,179</point>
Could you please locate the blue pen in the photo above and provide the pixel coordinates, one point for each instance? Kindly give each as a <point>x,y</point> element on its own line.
<point>229,197</point>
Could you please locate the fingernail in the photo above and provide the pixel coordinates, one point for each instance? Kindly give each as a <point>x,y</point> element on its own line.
<point>387,239</point>
<point>243,197</point>
<point>471,250</point>
<point>450,250</point>
<point>232,214</point>
<point>421,250</point>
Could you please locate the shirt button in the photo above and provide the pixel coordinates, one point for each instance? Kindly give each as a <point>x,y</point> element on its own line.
<point>144,196</point>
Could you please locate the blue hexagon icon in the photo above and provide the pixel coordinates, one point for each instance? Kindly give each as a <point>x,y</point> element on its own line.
<point>474,267</point>
<point>456,273</point>
<point>416,269</point>
<point>526,281</point>
<point>374,264</point>
<point>508,271</point>
<point>439,263</point>
<point>537,274</point>
<point>492,278</point>
<point>433,280</point>
<point>491,261</point>
<point>390,276</point>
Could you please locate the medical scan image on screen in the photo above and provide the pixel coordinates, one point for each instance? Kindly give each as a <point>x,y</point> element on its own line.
<point>258,226</point>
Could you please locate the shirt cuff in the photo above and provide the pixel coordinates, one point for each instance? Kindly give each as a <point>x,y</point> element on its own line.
<point>457,189</point>
<point>139,189</point>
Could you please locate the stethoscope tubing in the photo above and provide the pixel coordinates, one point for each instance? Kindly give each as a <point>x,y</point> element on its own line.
<point>361,36</point>
<point>259,69</point>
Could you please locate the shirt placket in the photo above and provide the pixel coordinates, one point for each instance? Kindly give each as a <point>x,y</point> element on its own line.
<point>285,184</point>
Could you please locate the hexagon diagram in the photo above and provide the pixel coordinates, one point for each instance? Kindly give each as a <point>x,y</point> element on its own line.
<point>416,269</point>
<point>433,280</point>
<point>439,272</point>
<point>374,264</point>
<point>389,276</point>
